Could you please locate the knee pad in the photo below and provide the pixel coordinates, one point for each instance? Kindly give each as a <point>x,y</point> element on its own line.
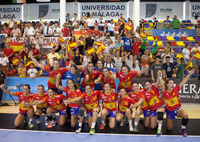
<point>160,115</point>
<point>81,112</point>
<point>36,116</point>
<point>44,110</point>
<point>50,117</point>
<point>185,121</point>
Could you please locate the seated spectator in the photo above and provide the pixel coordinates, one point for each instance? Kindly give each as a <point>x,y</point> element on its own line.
<point>108,63</point>
<point>29,31</point>
<point>167,23</point>
<point>155,67</point>
<point>4,62</point>
<point>145,60</point>
<point>9,52</point>
<point>51,57</point>
<point>118,44</point>
<point>56,30</point>
<point>36,52</point>
<point>32,72</point>
<point>175,23</point>
<point>167,53</point>
<point>15,32</point>
<point>168,69</point>
<point>23,52</point>
<point>21,70</point>
<point>186,53</point>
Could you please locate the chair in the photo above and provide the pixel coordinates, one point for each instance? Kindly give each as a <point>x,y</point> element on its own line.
<point>145,21</point>
<point>177,38</point>
<point>151,24</point>
<point>179,56</point>
<point>180,43</point>
<point>157,37</point>
<point>190,28</point>
<point>173,43</point>
<point>176,49</point>
<point>188,21</point>
<point>184,21</point>
<point>160,43</point>
<point>150,43</point>
<point>170,38</point>
<point>184,38</point>
<point>190,38</point>
<point>182,49</point>
<point>150,38</point>
<point>150,21</point>
<point>192,43</point>
<point>163,38</point>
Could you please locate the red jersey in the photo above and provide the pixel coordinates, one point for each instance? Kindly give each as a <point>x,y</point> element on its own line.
<point>107,79</point>
<point>91,101</point>
<point>71,94</point>
<point>37,97</point>
<point>109,100</point>
<point>7,31</point>
<point>20,95</point>
<point>8,52</point>
<point>92,77</point>
<point>125,81</point>
<point>172,100</point>
<point>124,103</point>
<point>136,48</point>
<point>56,102</point>
<point>153,98</point>
<point>137,96</point>
<point>35,51</point>
<point>65,32</point>
<point>53,74</point>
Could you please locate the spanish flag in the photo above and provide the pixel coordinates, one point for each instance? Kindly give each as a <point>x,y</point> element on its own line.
<point>41,71</point>
<point>78,34</point>
<point>143,35</point>
<point>128,27</point>
<point>101,48</point>
<point>82,42</point>
<point>16,46</point>
<point>73,45</point>
<point>60,39</point>
<point>90,50</point>
<point>16,61</point>
<point>51,44</point>
<point>29,62</point>
<point>97,43</point>
<point>7,39</point>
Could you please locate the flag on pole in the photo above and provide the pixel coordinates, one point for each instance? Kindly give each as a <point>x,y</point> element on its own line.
<point>128,27</point>
<point>143,35</point>
<point>90,50</point>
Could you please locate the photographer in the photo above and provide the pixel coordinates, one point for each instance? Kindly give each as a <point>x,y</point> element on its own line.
<point>2,81</point>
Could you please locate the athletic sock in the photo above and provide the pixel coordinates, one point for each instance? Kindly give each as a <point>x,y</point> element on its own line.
<point>130,122</point>
<point>80,124</point>
<point>160,126</point>
<point>30,119</point>
<point>136,123</point>
<point>183,127</point>
<point>102,122</point>
<point>93,125</point>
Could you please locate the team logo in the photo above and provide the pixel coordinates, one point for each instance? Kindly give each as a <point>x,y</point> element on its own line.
<point>58,102</point>
<point>150,9</point>
<point>43,10</point>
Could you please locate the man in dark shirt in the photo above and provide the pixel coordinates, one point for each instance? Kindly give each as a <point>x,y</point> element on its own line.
<point>121,21</point>
<point>88,42</point>
<point>168,69</point>
<point>155,67</point>
<point>2,81</point>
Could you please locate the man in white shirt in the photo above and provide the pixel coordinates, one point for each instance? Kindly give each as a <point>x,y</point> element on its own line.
<point>32,72</point>
<point>47,30</point>
<point>11,23</point>
<point>169,54</point>
<point>90,22</point>
<point>29,31</point>
<point>195,52</point>
<point>111,28</point>
<point>56,30</point>
<point>100,22</point>
<point>75,20</point>
<point>195,22</point>
<point>51,56</point>
<point>5,63</point>
<point>108,46</point>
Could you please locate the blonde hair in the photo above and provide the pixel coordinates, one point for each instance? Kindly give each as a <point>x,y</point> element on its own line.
<point>147,51</point>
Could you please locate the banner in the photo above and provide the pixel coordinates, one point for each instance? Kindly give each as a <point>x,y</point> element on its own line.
<point>7,11</point>
<point>110,10</point>
<point>195,9</point>
<point>174,32</point>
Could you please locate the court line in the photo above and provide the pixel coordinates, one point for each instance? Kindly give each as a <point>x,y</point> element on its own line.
<point>83,133</point>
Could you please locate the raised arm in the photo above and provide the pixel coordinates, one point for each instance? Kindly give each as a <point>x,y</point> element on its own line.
<point>159,77</point>
<point>35,61</point>
<point>143,71</point>
<point>186,78</point>
<point>161,82</point>
<point>125,56</point>
<point>7,91</point>
<point>58,77</point>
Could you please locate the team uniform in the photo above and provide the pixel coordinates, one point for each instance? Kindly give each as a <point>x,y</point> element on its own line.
<point>99,85</point>
<point>57,103</point>
<point>172,102</point>
<point>37,97</point>
<point>109,102</point>
<point>74,77</point>
<point>124,103</point>
<point>71,94</point>
<point>154,100</point>
<point>125,81</point>
<point>144,106</point>
<point>92,77</point>
<point>23,109</point>
<point>91,101</point>
<point>109,80</point>
<point>52,77</point>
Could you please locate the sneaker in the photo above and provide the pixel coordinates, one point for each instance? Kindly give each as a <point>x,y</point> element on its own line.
<point>183,132</point>
<point>51,124</point>
<point>135,129</point>
<point>102,126</point>
<point>159,133</point>
<point>131,128</point>
<point>47,122</point>
<point>122,122</point>
<point>38,121</point>
<point>30,124</point>
<point>78,130</point>
<point>25,120</point>
<point>92,131</point>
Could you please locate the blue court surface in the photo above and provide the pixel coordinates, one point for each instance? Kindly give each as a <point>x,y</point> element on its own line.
<point>44,136</point>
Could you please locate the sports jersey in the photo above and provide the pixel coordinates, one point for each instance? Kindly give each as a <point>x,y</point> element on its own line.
<point>125,103</point>
<point>125,80</point>
<point>20,95</point>
<point>53,74</point>
<point>109,100</point>
<point>153,98</point>
<point>137,96</point>
<point>37,97</point>
<point>92,77</point>
<point>99,85</point>
<point>108,79</point>
<point>56,102</point>
<point>71,94</point>
<point>91,101</point>
<point>172,100</point>
<point>74,77</point>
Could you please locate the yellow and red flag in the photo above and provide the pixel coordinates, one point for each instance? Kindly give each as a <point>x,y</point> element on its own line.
<point>7,39</point>
<point>29,62</point>
<point>73,45</point>
<point>16,61</point>
<point>90,50</point>
<point>60,39</point>
<point>128,27</point>
<point>93,31</point>
<point>51,44</point>
<point>101,48</point>
<point>78,34</point>
<point>143,35</point>
<point>97,43</point>
<point>16,46</point>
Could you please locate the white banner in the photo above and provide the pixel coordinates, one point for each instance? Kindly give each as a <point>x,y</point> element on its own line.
<point>109,10</point>
<point>43,0</point>
<point>195,9</point>
<point>7,11</point>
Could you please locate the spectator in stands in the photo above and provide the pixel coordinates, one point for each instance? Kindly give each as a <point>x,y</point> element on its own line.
<point>67,17</point>
<point>111,28</point>
<point>154,23</point>
<point>121,22</point>
<point>155,67</point>
<point>135,46</point>
<point>94,58</point>
<point>127,40</point>
<point>136,65</point>
<point>195,52</point>
<point>107,38</point>
<point>153,59</point>
<point>16,31</point>
<point>118,44</point>
<point>88,41</point>
<point>108,63</point>
<point>137,32</point>
<point>116,30</point>
<point>195,22</point>
<point>101,22</point>
<point>21,27</point>
<point>90,22</point>
<point>32,72</point>
<point>29,31</point>
<point>11,23</point>
<point>21,70</point>
<point>36,52</point>
<point>77,58</point>
<point>85,59</point>
<point>167,23</point>
<point>74,20</point>
<point>56,30</point>
<point>77,28</point>
<point>9,52</point>
<point>1,27</point>
<point>16,60</point>
<point>175,23</point>
<point>5,63</point>
<point>143,46</point>
<point>142,24</point>
<point>145,60</point>
<point>36,41</point>
<point>47,30</point>
<point>80,47</point>
<point>108,46</point>
<point>186,53</point>
<point>129,60</point>
<point>28,43</point>
<point>65,31</point>
<point>52,56</point>
<point>167,53</point>
<point>168,69</point>
<point>81,23</point>
<point>58,47</point>
<point>6,30</point>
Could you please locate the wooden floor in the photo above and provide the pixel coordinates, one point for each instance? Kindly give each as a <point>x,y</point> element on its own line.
<point>193,110</point>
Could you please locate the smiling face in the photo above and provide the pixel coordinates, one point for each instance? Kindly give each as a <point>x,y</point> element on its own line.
<point>72,70</point>
<point>88,89</point>
<point>148,86</point>
<point>56,65</point>
<point>51,93</point>
<point>106,72</point>
<point>99,65</point>
<point>40,90</point>
<point>125,70</point>
<point>123,93</point>
<point>70,84</point>
<point>90,67</point>
<point>26,90</point>
<point>107,88</point>
<point>170,85</point>
<point>135,87</point>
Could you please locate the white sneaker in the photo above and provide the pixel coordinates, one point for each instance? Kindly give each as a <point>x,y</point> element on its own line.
<point>47,122</point>
<point>122,122</point>
<point>38,121</point>
<point>78,130</point>
<point>131,128</point>
<point>30,123</point>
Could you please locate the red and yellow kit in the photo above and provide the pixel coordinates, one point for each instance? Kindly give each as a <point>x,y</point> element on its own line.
<point>125,103</point>
<point>92,77</point>
<point>137,96</point>
<point>71,94</point>
<point>20,95</point>
<point>153,98</point>
<point>56,102</point>
<point>53,74</point>
<point>125,80</point>
<point>172,100</point>
<point>91,101</point>
<point>37,97</point>
<point>108,79</point>
<point>109,100</point>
